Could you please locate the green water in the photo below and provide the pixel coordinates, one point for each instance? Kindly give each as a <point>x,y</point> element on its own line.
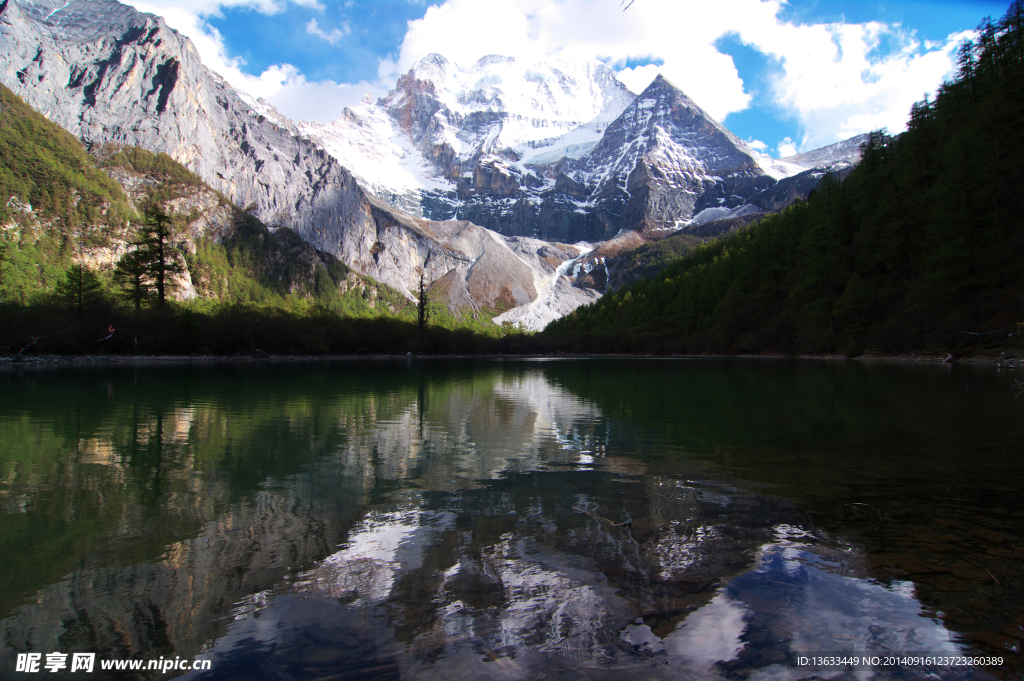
<point>513,519</point>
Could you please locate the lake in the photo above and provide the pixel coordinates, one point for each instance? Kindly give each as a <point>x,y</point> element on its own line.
<point>516,519</point>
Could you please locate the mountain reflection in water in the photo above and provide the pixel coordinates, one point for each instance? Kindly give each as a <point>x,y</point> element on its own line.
<point>587,519</point>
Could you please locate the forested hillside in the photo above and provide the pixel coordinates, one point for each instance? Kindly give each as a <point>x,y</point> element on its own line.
<point>77,272</point>
<point>920,248</point>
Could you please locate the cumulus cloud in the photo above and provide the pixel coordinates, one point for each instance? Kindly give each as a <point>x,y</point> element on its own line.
<point>757,145</point>
<point>324,100</point>
<point>836,80</point>
<point>786,148</point>
<point>585,29</point>
<point>636,78</point>
<point>332,36</point>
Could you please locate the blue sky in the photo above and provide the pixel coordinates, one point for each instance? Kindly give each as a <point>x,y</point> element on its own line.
<point>368,32</point>
<point>927,21</point>
<point>786,76</point>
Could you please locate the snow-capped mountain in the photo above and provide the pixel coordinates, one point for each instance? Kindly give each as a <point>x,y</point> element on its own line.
<point>503,106</point>
<point>664,160</point>
<point>446,134</point>
<point>108,73</point>
<point>476,177</point>
<point>555,150</point>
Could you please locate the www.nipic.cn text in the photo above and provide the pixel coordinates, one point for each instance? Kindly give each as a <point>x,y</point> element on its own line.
<point>86,662</point>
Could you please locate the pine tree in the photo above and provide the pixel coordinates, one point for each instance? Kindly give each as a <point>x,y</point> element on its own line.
<point>159,254</point>
<point>80,289</point>
<point>424,313</point>
<point>3,259</point>
<point>133,275</point>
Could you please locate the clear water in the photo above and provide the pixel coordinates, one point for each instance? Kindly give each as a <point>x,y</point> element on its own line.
<point>576,519</point>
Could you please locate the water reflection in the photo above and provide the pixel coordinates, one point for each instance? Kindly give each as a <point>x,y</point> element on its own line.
<point>507,520</point>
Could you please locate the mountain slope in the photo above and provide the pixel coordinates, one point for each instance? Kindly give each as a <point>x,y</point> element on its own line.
<point>920,248</point>
<point>64,206</point>
<point>556,151</point>
<point>675,160</point>
<point>847,151</point>
<point>110,74</point>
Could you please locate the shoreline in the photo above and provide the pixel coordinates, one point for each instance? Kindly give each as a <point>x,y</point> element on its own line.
<point>12,361</point>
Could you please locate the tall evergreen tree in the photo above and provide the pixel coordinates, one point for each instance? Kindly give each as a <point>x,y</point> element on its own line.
<point>424,313</point>
<point>80,290</point>
<point>133,276</point>
<point>159,254</point>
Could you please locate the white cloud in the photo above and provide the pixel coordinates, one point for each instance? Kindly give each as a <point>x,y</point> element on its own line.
<point>830,79</point>
<point>836,89</point>
<point>324,100</point>
<point>786,148</point>
<point>757,144</point>
<point>680,34</point>
<point>638,78</point>
<point>187,18</point>
<point>332,36</point>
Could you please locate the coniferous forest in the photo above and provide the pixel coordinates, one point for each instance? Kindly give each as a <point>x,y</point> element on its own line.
<point>920,248</point>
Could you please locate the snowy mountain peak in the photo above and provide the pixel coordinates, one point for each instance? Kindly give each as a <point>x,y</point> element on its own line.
<point>575,91</point>
<point>660,86</point>
<point>662,105</point>
<point>661,89</point>
<point>432,68</point>
<point>452,117</point>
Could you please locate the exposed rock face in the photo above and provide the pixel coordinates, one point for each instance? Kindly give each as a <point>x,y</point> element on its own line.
<point>473,266</point>
<point>109,73</point>
<point>290,259</point>
<point>559,151</point>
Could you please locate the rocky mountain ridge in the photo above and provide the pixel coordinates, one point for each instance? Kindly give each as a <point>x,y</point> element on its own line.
<point>108,73</point>
<point>558,150</point>
<point>545,154</point>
